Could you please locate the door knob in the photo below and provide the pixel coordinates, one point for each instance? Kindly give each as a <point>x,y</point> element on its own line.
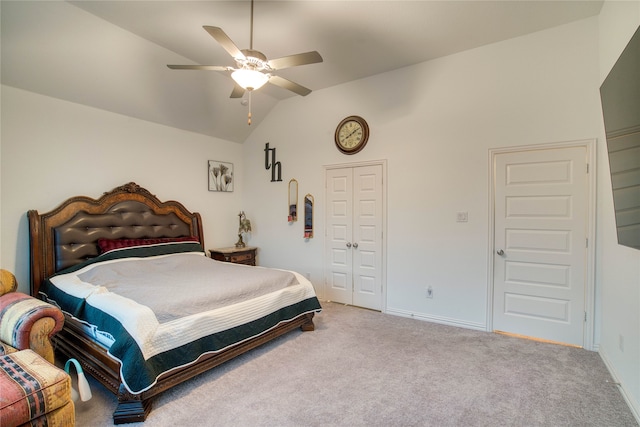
<point>348,244</point>
<point>500,252</point>
<point>355,245</point>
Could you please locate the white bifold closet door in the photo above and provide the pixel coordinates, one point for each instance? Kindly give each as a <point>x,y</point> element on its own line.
<point>353,243</point>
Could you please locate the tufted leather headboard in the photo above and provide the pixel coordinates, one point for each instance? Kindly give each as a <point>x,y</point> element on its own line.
<point>69,234</point>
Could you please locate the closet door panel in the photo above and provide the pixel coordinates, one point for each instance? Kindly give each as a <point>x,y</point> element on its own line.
<point>339,255</point>
<point>367,236</point>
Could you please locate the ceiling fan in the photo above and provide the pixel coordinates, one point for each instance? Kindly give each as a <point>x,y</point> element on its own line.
<point>253,69</point>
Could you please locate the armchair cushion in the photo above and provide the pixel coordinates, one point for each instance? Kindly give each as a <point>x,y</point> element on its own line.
<point>27,322</point>
<point>34,391</point>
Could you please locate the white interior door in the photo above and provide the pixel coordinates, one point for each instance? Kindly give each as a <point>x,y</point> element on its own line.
<point>339,218</point>
<point>367,237</point>
<point>354,236</point>
<point>540,224</point>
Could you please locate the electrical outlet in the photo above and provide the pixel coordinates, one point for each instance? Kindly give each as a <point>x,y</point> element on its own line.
<point>429,292</point>
<point>462,217</point>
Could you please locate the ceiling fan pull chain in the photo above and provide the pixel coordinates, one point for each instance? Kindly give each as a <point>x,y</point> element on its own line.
<point>249,116</point>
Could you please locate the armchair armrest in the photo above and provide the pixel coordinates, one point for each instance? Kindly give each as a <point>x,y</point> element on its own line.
<point>27,322</point>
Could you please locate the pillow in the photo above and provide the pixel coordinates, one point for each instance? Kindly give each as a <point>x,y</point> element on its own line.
<point>107,245</point>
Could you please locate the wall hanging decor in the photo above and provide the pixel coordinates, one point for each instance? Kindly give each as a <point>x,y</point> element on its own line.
<point>271,163</point>
<point>308,216</point>
<point>293,200</point>
<point>351,134</point>
<point>220,176</point>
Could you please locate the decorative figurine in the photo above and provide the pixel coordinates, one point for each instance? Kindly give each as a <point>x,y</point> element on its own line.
<point>244,226</point>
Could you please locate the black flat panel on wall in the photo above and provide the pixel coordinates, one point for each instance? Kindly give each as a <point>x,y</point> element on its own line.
<point>620,96</point>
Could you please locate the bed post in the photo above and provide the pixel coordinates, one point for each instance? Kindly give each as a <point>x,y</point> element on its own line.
<point>35,251</point>
<point>308,325</point>
<point>132,408</point>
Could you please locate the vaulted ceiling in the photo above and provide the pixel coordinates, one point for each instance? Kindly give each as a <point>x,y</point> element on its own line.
<point>112,55</point>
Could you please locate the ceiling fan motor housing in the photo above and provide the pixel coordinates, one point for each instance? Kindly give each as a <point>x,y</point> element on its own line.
<point>254,60</point>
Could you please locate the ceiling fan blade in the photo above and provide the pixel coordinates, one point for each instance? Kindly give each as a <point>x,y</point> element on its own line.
<point>224,40</point>
<point>237,92</point>
<point>289,85</point>
<point>295,60</point>
<point>200,67</point>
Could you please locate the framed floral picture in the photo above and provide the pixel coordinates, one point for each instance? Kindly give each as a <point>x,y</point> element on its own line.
<point>220,176</point>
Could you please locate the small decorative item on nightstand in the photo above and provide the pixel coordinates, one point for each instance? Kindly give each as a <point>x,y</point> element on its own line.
<point>244,226</point>
<point>246,255</point>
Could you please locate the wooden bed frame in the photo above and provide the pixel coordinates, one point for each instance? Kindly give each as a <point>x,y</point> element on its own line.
<point>68,235</point>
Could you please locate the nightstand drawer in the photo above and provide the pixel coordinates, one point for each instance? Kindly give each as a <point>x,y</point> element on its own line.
<point>246,255</point>
<point>241,258</point>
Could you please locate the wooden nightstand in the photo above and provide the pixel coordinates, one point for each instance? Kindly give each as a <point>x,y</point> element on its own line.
<point>246,255</point>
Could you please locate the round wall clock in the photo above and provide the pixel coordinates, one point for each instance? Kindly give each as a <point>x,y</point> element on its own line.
<point>352,134</point>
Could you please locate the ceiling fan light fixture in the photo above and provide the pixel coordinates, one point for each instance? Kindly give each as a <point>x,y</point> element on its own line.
<point>250,79</point>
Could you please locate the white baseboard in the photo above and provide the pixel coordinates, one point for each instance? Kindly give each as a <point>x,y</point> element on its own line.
<point>633,405</point>
<point>437,319</point>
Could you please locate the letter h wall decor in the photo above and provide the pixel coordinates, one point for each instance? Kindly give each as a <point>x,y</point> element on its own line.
<point>271,163</point>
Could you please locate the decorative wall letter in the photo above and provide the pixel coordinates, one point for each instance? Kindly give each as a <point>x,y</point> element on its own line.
<point>270,163</point>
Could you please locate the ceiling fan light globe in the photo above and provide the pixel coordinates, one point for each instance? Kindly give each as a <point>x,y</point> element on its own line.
<point>250,79</point>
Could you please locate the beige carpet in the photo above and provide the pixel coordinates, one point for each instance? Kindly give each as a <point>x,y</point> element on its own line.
<point>364,368</point>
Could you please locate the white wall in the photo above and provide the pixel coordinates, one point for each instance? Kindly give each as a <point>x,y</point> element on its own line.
<point>619,266</point>
<point>434,123</point>
<point>53,149</point>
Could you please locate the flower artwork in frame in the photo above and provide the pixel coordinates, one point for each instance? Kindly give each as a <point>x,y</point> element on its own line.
<point>220,176</point>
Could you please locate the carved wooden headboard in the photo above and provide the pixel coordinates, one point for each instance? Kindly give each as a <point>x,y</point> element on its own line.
<point>69,234</point>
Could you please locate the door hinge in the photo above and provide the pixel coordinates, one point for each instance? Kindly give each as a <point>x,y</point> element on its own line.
<point>586,243</point>
<point>585,316</point>
<point>587,167</point>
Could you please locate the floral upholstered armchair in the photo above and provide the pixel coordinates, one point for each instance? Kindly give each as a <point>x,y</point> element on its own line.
<point>26,322</point>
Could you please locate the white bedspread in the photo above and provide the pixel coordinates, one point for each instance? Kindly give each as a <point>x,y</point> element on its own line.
<point>169,300</point>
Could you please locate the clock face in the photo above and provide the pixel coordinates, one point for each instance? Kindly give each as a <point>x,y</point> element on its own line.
<point>352,134</point>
